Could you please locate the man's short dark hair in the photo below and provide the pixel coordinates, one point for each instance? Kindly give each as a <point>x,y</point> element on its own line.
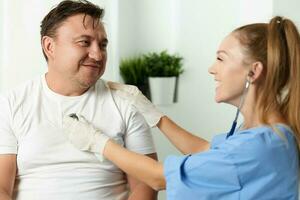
<point>65,9</point>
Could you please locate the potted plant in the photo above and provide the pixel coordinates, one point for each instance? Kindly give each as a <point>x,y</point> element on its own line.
<point>163,70</point>
<point>134,72</point>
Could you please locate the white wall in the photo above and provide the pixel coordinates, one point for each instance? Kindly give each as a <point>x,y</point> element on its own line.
<point>1,37</point>
<point>288,9</point>
<point>251,11</point>
<point>127,27</point>
<point>22,57</point>
<point>145,26</point>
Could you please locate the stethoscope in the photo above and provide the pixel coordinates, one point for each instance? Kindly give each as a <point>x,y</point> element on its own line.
<point>234,123</point>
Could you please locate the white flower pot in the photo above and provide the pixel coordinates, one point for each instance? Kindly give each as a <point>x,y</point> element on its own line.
<point>162,90</point>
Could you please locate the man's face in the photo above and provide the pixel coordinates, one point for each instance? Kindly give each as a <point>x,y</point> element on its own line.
<point>79,51</point>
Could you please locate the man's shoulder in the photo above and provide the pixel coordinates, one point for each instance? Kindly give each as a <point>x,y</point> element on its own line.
<point>105,92</point>
<point>27,87</point>
<point>122,104</point>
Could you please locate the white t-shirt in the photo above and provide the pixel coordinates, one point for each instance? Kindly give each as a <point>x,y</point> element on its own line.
<point>49,166</point>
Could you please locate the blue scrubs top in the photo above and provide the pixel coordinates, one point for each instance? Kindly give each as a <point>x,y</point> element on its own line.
<point>257,163</point>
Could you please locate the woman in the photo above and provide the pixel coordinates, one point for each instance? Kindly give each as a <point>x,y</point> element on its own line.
<point>257,70</point>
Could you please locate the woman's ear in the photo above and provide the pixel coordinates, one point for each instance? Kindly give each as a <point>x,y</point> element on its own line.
<point>255,72</point>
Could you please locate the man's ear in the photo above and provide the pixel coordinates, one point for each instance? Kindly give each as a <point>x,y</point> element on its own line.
<point>48,46</point>
<point>255,72</point>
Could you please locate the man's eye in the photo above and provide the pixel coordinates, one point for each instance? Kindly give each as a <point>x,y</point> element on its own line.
<point>103,46</point>
<point>220,59</point>
<point>84,42</point>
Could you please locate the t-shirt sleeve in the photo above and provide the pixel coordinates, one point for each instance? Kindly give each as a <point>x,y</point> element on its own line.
<point>210,173</point>
<point>138,136</point>
<point>8,141</point>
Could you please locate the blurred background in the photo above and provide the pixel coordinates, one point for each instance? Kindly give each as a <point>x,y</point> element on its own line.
<point>192,29</point>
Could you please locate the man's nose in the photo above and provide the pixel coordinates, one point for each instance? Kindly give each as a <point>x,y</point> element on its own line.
<point>96,53</point>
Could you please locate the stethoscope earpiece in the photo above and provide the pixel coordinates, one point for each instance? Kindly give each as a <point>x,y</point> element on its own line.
<point>247,84</point>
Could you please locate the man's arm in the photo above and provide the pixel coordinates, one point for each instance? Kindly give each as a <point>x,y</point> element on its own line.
<point>7,175</point>
<point>138,189</point>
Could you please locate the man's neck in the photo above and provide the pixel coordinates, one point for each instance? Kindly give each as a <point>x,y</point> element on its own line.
<point>62,86</point>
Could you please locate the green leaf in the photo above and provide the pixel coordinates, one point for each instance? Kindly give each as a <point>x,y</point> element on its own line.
<point>133,71</point>
<point>163,64</point>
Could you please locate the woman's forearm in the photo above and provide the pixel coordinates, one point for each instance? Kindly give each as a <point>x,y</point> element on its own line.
<point>139,166</point>
<point>184,141</point>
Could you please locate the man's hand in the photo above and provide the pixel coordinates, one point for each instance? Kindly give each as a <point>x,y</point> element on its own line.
<point>84,135</point>
<point>138,100</point>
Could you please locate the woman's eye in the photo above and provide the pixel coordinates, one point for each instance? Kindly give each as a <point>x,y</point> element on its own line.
<point>220,59</point>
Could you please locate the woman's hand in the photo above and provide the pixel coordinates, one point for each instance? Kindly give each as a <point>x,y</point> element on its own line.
<point>84,135</point>
<point>137,99</point>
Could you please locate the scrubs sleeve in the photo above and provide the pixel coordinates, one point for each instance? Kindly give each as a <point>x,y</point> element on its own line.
<point>210,173</point>
<point>217,140</point>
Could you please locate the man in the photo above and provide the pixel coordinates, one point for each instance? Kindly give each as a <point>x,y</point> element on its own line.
<point>37,161</point>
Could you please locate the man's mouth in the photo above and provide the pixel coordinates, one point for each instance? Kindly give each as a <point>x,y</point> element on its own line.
<point>94,66</point>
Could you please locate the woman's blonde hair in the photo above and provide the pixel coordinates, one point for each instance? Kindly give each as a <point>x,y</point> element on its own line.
<point>277,46</point>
